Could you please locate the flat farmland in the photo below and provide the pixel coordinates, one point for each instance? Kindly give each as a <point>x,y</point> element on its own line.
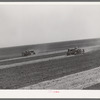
<point>29,74</point>
<point>44,55</point>
<point>14,52</point>
<point>20,72</point>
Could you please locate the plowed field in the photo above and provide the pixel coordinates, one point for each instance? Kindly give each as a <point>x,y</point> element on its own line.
<point>33,70</point>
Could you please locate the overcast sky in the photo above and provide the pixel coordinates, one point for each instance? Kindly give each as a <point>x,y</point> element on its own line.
<point>33,24</point>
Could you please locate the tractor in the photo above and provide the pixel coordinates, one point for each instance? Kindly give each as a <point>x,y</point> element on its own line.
<point>28,52</point>
<point>75,51</point>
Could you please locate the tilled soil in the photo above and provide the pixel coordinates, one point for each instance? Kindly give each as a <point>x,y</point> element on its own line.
<point>33,57</point>
<point>74,81</point>
<point>44,55</point>
<point>33,73</point>
<point>20,72</point>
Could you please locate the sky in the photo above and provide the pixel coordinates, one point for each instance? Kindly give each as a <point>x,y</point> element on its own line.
<point>35,24</point>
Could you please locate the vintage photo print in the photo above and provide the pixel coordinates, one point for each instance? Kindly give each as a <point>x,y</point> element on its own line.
<point>50,46</point>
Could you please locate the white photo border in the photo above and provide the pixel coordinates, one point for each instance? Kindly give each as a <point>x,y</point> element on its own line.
<point>49,93</point>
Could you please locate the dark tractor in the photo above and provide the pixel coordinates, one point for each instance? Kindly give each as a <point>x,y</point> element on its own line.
<point>75,51</point>
<point>28,52</point>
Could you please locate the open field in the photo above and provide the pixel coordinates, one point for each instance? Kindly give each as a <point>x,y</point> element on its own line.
<point>33,73</point>
<point>57,54</point>
<point>8,63</point>
<point>13,52</point>
<point>21,72</point>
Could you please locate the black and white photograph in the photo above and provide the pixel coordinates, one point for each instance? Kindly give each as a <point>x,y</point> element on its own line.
<point>50,46</point>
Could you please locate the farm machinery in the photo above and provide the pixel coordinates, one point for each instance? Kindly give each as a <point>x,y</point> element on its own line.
<point>28,52</point>
<point>75,51</point>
